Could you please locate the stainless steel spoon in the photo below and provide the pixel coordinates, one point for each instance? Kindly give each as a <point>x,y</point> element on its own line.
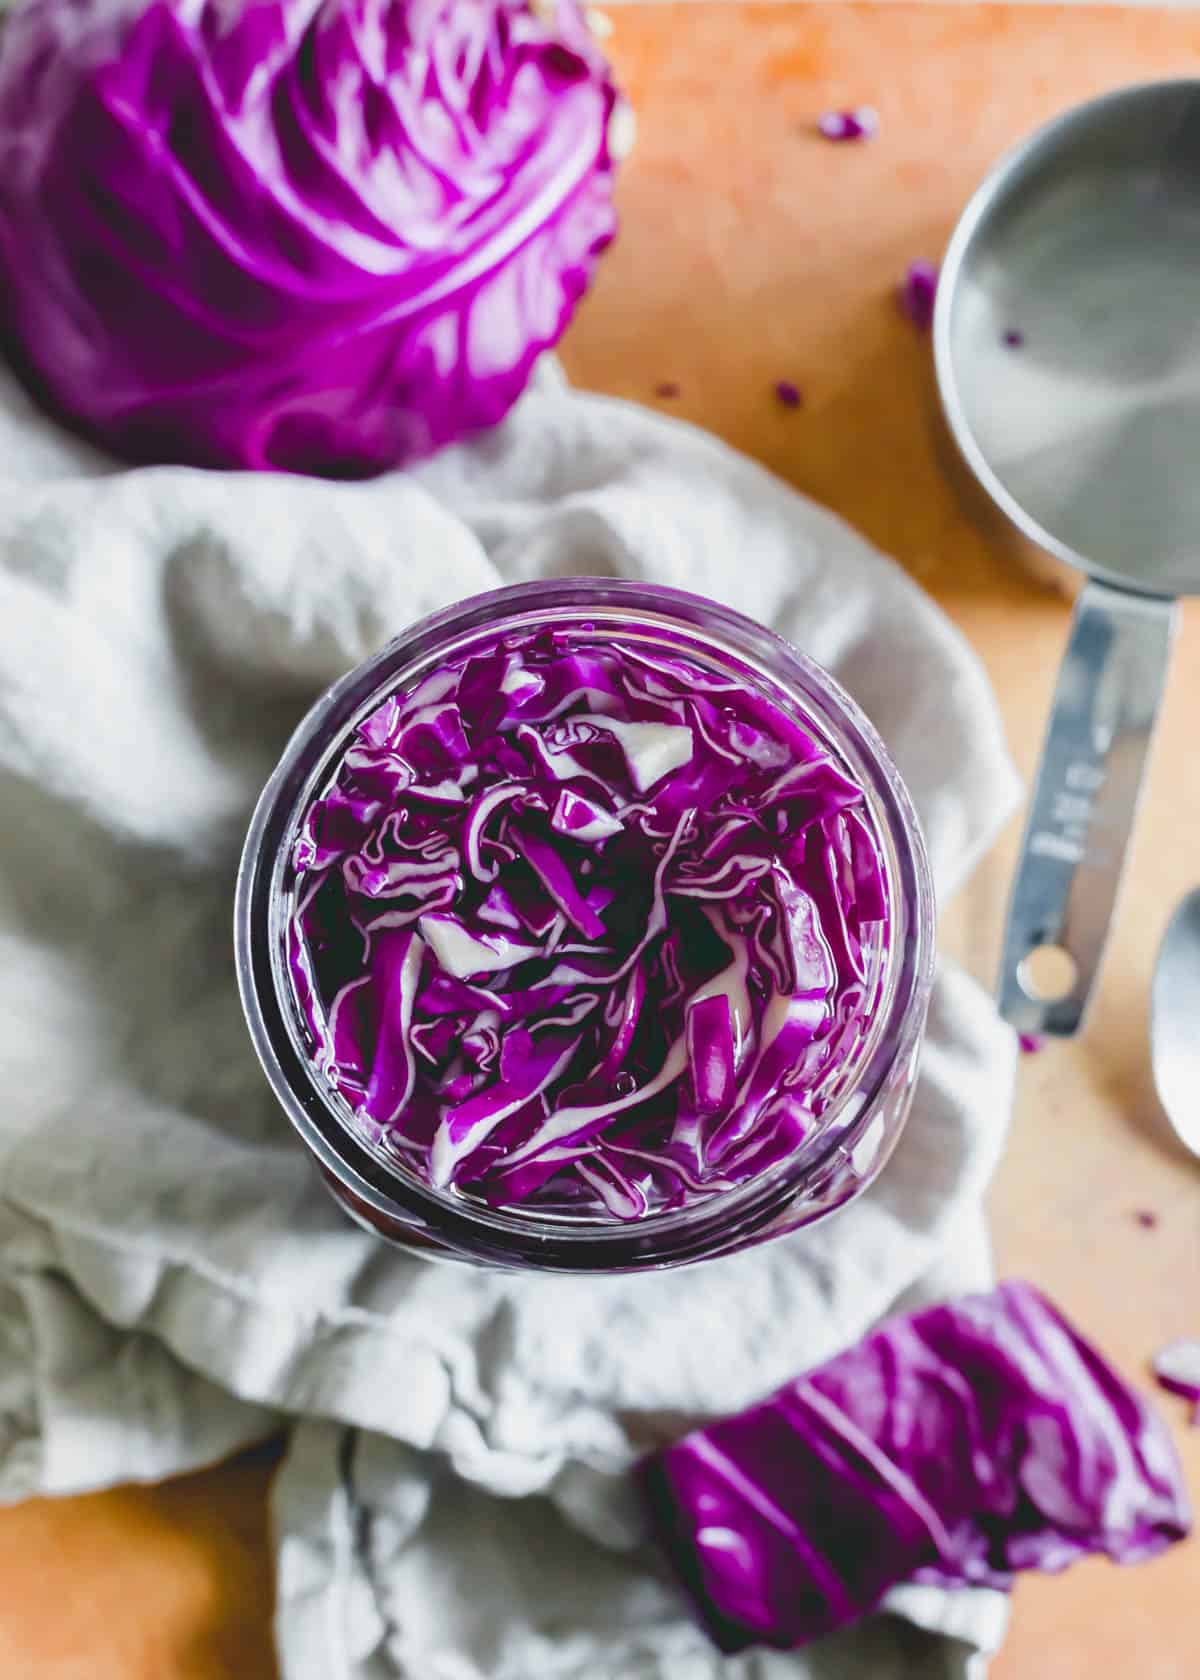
<point>1175,1022</point>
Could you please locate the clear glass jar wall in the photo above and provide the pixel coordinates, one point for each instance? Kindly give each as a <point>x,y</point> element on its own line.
<point>865,1096</point>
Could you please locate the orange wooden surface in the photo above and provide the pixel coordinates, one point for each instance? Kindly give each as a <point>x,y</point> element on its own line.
<point>753,252</point>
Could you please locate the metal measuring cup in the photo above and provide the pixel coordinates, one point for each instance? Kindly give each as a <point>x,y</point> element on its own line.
<point>1067,345</point>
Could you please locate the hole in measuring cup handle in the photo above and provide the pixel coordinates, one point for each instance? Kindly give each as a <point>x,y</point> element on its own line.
<point>1047,974</point>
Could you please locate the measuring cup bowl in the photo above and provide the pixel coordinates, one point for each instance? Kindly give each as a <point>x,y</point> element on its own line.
<point>997,530</point>
<point>1067,349</point>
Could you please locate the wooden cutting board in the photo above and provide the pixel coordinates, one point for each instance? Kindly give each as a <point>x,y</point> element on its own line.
<point>753,252</point>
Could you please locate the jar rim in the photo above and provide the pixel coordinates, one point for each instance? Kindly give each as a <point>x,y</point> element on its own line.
<point>343,1150</point>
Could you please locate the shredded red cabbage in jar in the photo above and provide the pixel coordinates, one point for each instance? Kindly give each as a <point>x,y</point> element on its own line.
<point>585,927</point>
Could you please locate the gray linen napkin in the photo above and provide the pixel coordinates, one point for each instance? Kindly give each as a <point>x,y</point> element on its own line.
<point>172,1276</point>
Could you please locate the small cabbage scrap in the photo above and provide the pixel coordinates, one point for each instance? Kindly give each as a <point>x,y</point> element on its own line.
<point>321,236</point>
<point>917,295</point>
<point>1177,1369</point>
<point>862,123</point>
<point>586,926</point>
<point>956,1446</point>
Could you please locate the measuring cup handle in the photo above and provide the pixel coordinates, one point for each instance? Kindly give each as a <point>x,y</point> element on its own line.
<point>1088,787</point>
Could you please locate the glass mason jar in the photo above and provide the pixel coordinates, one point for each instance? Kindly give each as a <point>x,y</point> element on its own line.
<point>859,1127</point>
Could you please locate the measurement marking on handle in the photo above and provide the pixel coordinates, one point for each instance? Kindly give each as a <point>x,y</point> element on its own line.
<point>1070,816</point>
<point>1059,846</point>
<point>1081,777</point>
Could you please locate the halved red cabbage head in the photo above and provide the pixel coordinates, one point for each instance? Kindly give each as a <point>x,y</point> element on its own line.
<point>317,235</point>
<point>956,1446</point>
<point>586,927</point>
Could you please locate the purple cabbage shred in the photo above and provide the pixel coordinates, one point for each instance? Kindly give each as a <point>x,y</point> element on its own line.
<point>1177,1369</point>
<point>957,1446</point>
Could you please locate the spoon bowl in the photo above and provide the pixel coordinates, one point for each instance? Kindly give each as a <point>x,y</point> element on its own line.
<point>1175,1022</point>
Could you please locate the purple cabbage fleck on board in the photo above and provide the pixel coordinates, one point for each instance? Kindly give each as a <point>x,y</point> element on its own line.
<point>1177,1370</point>
<point>861,123</point>
<point>917,294</point>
